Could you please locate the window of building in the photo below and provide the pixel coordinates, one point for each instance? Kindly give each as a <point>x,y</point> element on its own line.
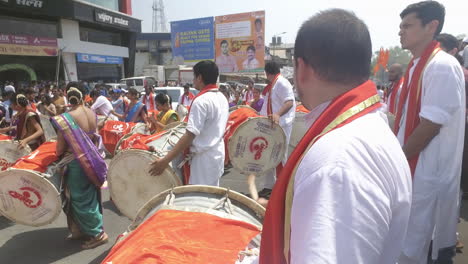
<point>100,36</point>
<point>109,4</point>
<point>29,27</point>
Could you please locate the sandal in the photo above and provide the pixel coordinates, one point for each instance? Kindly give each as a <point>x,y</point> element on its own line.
<point>75,237</point>
<point>95,241</point>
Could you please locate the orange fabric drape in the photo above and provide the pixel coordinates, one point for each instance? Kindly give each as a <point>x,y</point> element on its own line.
<point>179,237</point>
<point>39,159</point>
<point>113,131</point>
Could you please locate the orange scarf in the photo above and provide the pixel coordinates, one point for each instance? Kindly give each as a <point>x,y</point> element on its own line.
<point>152,105</point>
<point>208,88</point>
<point>412,92</point>
<point>393,96</point>
<point>267,90</point>
<point>276,226</point>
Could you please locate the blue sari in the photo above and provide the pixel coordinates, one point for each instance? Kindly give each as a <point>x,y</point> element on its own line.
<point>134,113</point>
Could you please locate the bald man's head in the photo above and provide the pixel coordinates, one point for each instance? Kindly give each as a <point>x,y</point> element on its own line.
<point>395,72</point>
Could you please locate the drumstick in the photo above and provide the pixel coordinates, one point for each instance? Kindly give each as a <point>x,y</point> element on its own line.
<point>252,186</point>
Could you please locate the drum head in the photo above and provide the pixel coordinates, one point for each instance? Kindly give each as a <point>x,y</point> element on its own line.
<point>181,111</point>
<point>28,198</point>
<point>10,153</point>
<point>200,198</point>
<point>168,140</point>
<point>298,130</point>
<point>49,131</point>
<point>257,146</point>
<point>130,183</point>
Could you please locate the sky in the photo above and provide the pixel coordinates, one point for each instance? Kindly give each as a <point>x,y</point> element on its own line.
<point>382,17</point>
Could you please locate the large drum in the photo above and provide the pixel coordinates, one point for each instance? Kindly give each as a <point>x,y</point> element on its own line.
<point>10,152</point>
<point>130,183</point>
<point>177,225</point>
<point>49,130</point>
<point>299,128</point>
<point>113,131</point>
<point>182,111</point>
<point>254,144</point>
<point>28,195</point>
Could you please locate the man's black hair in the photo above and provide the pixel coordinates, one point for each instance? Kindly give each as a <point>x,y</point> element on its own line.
<point>427,11</point>
<point>447,41</point>
<point>272,67</point>
<point>207,70</point>
<point>336,45</point>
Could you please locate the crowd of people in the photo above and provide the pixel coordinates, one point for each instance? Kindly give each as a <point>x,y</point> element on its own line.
<point>354,190</point>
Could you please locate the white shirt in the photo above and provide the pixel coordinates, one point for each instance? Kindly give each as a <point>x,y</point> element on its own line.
<point>352,194</point>
<point>281,92</point>
<point>149,101</point>
<point>207,121</point>
<point>248,96</point>
<point>8,115</point>
<point>437,176</point>
<point>102,106</point>
<point>465,57</point>
<point>187,100</point>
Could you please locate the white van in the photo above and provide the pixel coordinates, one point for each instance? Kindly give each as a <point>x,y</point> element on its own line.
<point>139,82</point>
<point>174,93</point>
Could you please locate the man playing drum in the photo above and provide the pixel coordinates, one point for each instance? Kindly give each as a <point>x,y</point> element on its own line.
<point>344,194</point>
<point>205,129</point>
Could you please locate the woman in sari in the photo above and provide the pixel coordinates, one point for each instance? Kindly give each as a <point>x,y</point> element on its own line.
<point>85,169</point>
<point>166,114</point>
<point>257,101</point>
<point>28,124</point>
<point>46,107</point>
<point>136,111</point>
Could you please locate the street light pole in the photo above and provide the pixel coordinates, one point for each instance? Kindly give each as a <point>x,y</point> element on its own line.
<point>275,44</point>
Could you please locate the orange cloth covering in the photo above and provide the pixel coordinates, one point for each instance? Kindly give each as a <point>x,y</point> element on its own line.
<point>179,237</point>
<point>139,141</point>
<point>236,118</point>
<point>39,159</point>
<point>113,131</point>
<point>301,108</point>
<point>5,137</point>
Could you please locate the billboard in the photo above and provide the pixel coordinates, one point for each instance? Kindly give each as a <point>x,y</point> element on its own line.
<point>240,42</point>
<point>93,58</point>
<point>192,41</point>
<point>27,45</point>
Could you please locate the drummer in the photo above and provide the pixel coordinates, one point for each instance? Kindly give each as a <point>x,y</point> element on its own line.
<point>28,129</point>
<point>166,115</point>
<point>205,129</point>
<point>186,98</point>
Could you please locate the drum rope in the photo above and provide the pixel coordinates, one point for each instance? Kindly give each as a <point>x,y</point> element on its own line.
<point>223,202</point>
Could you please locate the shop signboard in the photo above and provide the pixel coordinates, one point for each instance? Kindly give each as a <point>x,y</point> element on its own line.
<point>27,45</point>
<point>93,58</point>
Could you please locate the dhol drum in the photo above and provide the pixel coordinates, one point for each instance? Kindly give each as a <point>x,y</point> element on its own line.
<point>10,152</point>
<point>130,183</point>
<point>299,128</point>
<point>254,144</point>
<point>238,220</point>
<point>49,130</point>
<point>28,195</point>
<point>113,131</point>
<point>234,108</point>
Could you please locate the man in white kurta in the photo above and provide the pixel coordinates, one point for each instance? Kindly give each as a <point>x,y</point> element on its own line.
<point>436,183</point>
<point>281,93</point>
<point>356,172</point>
<point>207,121</point>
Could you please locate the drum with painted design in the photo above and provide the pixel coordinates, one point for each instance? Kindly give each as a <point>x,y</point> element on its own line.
<point>257,145</point>
<point>221,202</point>
<point>10,152</point>
<point>130,183</point>
<point>29,195</point>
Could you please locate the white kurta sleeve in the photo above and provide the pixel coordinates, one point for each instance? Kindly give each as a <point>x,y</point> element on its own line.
<point>285,91</point>
<point>197,117</point>
<point>441,93</point>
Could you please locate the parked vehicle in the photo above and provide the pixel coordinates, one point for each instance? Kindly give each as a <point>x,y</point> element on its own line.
<point>139,82</point>
<point>174,93</point>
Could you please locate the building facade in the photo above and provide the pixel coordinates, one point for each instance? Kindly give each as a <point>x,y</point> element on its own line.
<point>78,40</point>
<point>152,49</point>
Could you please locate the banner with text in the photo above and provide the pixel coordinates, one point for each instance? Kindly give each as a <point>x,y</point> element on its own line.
<point>240,42</point>
<point>192,41</point>
<point>27,45</point>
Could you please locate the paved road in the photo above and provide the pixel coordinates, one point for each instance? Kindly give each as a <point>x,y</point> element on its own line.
<point>44,245</point>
